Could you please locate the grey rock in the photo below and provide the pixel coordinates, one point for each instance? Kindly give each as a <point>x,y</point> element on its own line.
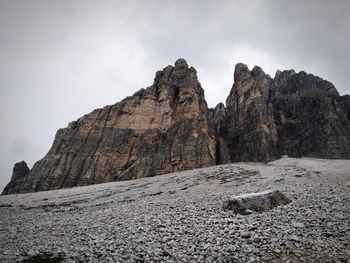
<point>258,202</point>
<point>295,113</point>
<point>20,170</point>
<point>311,117</point>
<point>294,238</point>
<point>297,224</point>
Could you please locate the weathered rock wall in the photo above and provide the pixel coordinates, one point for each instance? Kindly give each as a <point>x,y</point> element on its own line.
<point>311,117</point>
<point>168,127</point>
<point>158,130</point>
<point>250,129</point>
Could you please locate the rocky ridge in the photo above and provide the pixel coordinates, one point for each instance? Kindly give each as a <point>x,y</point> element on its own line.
<point>168,127</point>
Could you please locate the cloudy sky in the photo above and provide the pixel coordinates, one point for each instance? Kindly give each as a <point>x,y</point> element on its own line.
<point>61,59</point>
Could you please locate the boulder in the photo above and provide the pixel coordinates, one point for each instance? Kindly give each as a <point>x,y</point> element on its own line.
<point>259,202</point>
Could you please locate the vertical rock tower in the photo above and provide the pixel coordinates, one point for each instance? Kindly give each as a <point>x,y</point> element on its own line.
<point>296,114</point>
<point>160,129</point>
<point>250,130</point>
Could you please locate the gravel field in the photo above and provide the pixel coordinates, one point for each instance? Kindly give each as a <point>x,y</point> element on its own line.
<point>178,217</point>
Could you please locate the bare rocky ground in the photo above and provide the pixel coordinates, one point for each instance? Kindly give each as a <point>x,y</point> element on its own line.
<point>179,218</point>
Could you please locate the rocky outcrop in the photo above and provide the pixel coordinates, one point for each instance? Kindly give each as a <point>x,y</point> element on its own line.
<point>295,114</point>
<point>250,130</point>
<point>19,171</point>
<point>160,129</point>
<point>168,127</point>
<point>311,117</point>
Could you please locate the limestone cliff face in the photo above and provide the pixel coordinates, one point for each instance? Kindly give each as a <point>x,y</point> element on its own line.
<point>160,129</point>
<point>250,130</point>
<point>312,119</point>
<point>296,114</point>
<point>168,127</point>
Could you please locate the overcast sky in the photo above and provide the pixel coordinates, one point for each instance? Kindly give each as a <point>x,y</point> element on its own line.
<point>62,59</point>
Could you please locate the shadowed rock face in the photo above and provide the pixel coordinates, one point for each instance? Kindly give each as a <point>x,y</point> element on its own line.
<point>296,114</point>
<point>250,130</point>
<point>167,127</point>
<point>19,171</point>
<point>311,117</point>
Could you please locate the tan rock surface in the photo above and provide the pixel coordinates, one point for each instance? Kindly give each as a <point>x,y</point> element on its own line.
<point>160,129</point>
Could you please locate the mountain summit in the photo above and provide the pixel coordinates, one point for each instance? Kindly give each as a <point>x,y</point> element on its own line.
<point>168,127</point>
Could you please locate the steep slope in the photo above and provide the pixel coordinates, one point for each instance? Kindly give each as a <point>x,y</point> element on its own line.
<point>158,130</point>
<point>178,217</point>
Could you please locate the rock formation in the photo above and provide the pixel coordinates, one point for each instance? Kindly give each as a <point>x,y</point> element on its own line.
<point>245,204</point>
<point>295,114</point>
<point>312,119</point>
<point>160,129</point>
<point>168,127</point>
<point>19,171</point>
<point>250,130</point>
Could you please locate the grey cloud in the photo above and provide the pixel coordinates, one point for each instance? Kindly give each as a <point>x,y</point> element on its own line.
<point>61,59</point>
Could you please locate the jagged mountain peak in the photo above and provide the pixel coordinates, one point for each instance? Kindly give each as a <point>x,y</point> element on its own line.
<point>284,74</point>
<point>176,73</point>
<point>168,127</point>
<point>181,63</point>
<point>160,129</point>
<point>241,70</point>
